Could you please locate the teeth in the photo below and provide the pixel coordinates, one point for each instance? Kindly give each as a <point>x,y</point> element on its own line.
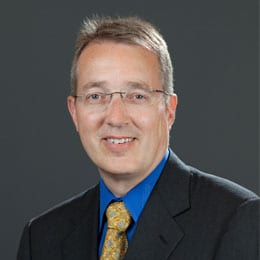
<point>119,141</point>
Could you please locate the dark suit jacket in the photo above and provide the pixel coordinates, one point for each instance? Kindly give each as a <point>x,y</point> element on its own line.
<point>189,215</point>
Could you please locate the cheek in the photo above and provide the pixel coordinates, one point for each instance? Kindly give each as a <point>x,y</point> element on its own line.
<point>155,123</point>
<point>162,123</point>
<point>88,123</point>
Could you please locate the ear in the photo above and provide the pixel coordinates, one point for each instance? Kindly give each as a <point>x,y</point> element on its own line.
<point>71,103</point>
<point>171,109</point>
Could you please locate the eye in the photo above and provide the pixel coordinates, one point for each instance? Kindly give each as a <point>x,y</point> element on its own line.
<point>94,96</point>
<point>138,97</point>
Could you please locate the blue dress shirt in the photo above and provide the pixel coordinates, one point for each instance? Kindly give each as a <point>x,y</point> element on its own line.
<point>134,200</point>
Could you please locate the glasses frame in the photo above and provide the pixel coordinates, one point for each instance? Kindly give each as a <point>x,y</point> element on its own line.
<point>123,95</point>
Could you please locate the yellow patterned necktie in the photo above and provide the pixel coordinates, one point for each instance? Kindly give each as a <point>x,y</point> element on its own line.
<point>118,220</point>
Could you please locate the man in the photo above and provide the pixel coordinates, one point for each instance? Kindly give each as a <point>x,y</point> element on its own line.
<point>123,106</point>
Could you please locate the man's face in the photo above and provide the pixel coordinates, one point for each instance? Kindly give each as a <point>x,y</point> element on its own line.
<point>122,142</point>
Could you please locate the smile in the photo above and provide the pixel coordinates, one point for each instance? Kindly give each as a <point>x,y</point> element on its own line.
<point>119,140</point>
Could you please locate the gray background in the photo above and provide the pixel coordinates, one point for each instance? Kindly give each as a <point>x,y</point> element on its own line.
<point>215,49</point>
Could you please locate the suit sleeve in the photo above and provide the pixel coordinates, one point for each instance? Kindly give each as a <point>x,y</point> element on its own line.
<point>241,239</point>
<point>24,250</point>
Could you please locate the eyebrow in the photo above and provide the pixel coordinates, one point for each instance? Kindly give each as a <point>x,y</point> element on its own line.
<point>93,84</point>
<point>103,85</point>
<point>138,85</point>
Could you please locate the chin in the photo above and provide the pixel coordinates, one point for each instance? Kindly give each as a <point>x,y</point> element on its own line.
<point>117,169</point>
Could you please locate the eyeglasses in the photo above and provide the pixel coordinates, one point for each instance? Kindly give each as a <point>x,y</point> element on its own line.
<point>132,97</point>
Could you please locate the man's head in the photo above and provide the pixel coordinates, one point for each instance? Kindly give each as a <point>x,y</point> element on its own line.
<point>119,105</point>
<point>129,30</point>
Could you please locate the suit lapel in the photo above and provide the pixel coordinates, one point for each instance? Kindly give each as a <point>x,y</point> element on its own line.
<point>82,241</point>
<point>157,233</point>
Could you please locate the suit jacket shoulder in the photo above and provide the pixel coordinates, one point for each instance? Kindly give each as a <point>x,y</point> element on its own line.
<point>60,232</point>
<point>195,215</point>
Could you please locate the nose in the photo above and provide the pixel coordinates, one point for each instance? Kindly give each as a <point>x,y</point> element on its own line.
<point>116,112</point>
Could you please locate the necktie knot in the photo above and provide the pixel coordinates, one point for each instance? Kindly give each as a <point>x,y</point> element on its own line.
<point>118,216</point>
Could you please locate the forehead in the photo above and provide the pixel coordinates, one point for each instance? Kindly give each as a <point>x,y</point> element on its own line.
<point>117,62</point>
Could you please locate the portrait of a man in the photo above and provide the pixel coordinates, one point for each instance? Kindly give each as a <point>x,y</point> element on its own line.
<point>148,203</point>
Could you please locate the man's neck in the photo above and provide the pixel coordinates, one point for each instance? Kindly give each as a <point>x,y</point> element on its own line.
<point>120,185</point>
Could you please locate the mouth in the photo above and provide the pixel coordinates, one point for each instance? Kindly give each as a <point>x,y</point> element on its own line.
<point>119,140</point>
